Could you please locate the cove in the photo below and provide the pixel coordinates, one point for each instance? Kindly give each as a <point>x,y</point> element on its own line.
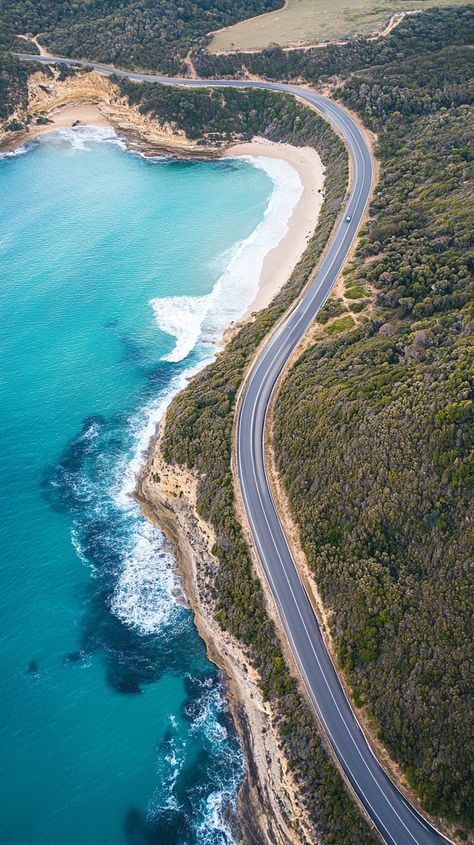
<point>118,275</point>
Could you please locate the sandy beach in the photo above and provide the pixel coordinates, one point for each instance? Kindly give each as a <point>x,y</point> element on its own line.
<point>92,100</point>
<point>281,260</point>
<point>269,808</point>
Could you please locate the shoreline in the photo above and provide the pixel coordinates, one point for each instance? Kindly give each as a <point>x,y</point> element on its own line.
<point>280,261</point>
<point>268,810</point>
<point>142,137</point>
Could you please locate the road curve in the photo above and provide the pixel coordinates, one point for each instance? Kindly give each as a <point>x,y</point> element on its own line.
<point>394,817</point>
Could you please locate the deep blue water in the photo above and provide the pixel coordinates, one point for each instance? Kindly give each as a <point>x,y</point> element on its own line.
<point>117,277</point>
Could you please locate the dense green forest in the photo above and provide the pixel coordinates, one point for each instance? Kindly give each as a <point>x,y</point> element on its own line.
<point>13,85</point>
<point>372,431</point>
<point>198,434</point>
<point>135,34</point>
<point>219,116</point>
<point>377,460</point>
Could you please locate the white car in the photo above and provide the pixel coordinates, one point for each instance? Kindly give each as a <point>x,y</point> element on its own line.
<point>348,218</point>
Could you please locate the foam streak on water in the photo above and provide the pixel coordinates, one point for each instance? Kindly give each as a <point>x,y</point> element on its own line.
<point>200,321</point>
<point>192,319</point>
<point>93,291</point>
<point>146,588</point>
<point>145,593</point>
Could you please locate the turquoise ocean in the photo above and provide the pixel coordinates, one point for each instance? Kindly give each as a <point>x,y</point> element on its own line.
<point>118,277</point>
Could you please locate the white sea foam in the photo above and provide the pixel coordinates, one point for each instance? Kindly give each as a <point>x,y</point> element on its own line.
<point>78,137</point>
<point>193,319</point>
<point>79,551</point>
<point>18,151</point>
<point>181,317</point>
<point>214,826</point>
<point>144,595</point>
<point>144,428</point>
<point>169,767</point>
<point>210,704</point>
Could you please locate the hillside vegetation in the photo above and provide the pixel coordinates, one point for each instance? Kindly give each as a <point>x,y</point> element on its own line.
<point>199,431</point>
<point>219,116</point>
<point>139,33</point>
<point>13,85</point>
<point>373,425</point>
<point>374,433</point>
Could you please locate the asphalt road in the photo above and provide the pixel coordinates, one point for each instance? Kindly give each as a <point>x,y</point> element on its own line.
<point>394,817</point>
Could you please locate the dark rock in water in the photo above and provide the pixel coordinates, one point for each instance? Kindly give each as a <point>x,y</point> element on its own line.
<point>124,684</point>
<point>33,667</point>
<point>168,827</point>
<point>73,657</point>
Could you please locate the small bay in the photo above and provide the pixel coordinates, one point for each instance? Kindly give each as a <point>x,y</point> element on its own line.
<point>115,286</point>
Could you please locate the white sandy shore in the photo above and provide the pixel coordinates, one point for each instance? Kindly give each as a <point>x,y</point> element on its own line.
<point>281,260</point>
<point>268,801</point>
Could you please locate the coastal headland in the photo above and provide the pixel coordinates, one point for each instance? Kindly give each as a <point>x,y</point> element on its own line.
<point>90,99</point>
<point>371,503</point>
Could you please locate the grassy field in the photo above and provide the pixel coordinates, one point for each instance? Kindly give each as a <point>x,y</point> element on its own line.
<point>312,21</point>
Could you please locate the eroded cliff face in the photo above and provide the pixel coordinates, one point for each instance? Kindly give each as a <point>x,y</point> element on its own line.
<point>47,91</point>
<point>269,810</point>
<point>91,98</point>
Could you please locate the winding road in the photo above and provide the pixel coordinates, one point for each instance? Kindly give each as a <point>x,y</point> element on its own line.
<point>396,820</point>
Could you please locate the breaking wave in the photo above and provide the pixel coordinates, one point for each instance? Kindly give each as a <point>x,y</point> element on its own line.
<point>79,137</point>
<point>144,596</point>
<point>194,320</point>
<point>131,561</point>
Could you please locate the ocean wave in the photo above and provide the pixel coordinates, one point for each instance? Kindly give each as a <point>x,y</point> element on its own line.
<point>208,713</point>
<point>144,596</point>
<point>18,151</point>
<point>214,827</point>
<point>76,543</point>
<point>203,319</point>
<point>78,137</point>
<point>142,427</point>
<point>170,765</point>
<point>193,321</point>
<point>205,710</point>
<point>181,317</point>
<point>147,590</point>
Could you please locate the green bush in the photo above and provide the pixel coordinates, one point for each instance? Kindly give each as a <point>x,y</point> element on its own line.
<point>340,325</point>
<point>355,292</point>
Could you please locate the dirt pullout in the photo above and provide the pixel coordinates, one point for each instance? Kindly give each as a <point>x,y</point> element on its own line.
<point>269,812</point>
<point>393,22</point>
